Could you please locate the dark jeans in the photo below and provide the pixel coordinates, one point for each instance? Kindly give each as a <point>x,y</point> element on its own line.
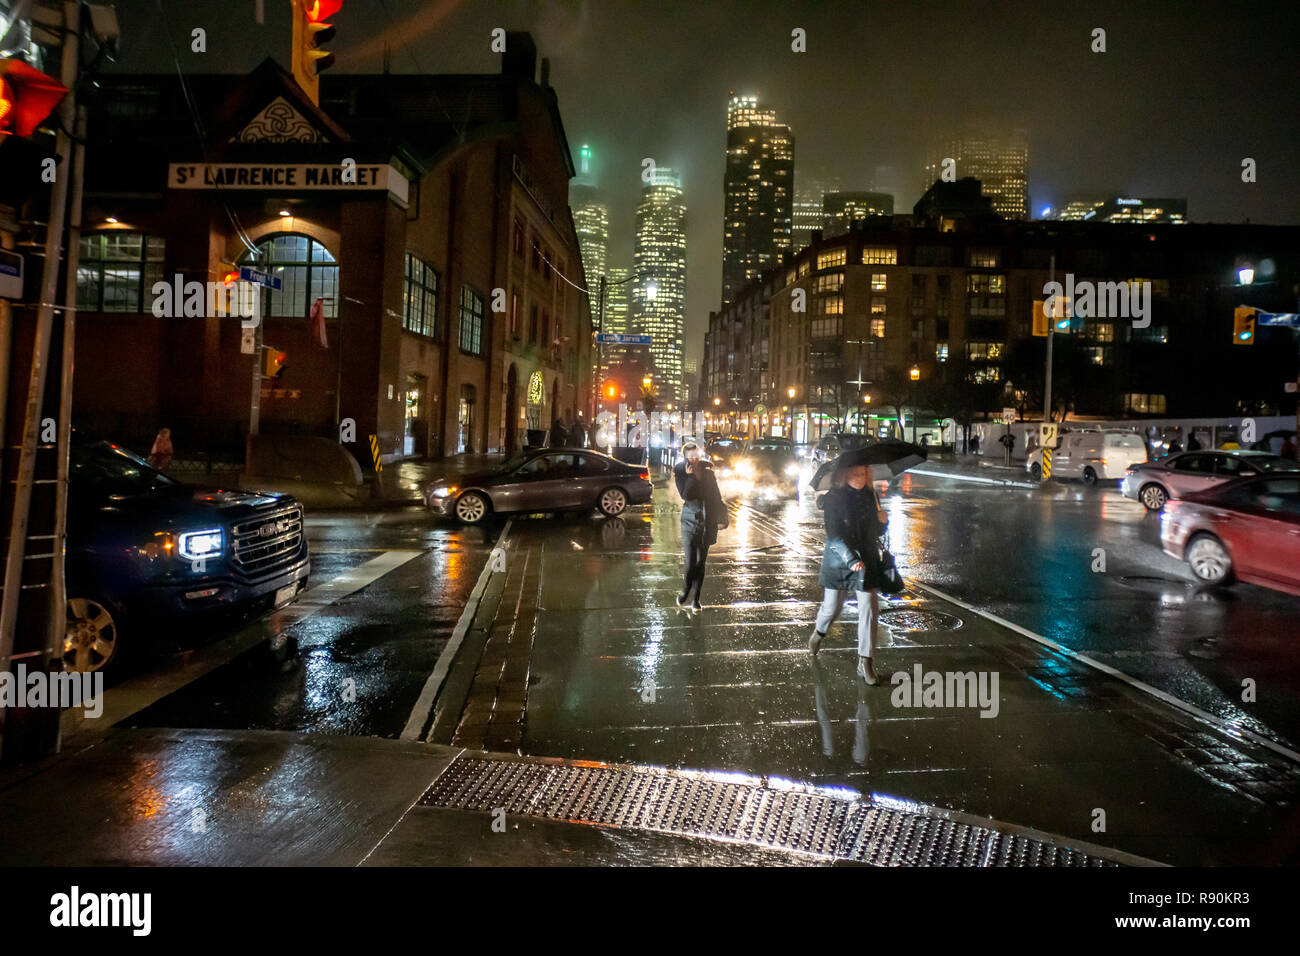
<point>696,551</point>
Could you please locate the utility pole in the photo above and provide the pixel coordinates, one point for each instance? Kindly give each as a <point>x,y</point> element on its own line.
<point>1051,330</point>
<point>857,398</point>
<point>34,736</point>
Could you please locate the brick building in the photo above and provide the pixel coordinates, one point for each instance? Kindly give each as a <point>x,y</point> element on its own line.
<point>447,268</point>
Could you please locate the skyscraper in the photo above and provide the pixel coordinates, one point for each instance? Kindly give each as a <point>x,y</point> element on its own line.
<point>999,162</point>
<point>840,210</point>
<point>758,193</point>
<point>616,313</point>
<point>591,221</point>
<point>660,258</point>
<point>809,194</point>
<point>616,316</point>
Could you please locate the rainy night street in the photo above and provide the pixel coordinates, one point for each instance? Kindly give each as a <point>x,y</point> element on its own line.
<point>572,648</point>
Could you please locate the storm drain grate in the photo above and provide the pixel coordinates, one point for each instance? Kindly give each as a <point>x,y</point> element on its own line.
<point>774,814</point>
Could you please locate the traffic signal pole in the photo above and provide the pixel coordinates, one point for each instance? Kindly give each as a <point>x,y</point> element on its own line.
<point>24,480</point>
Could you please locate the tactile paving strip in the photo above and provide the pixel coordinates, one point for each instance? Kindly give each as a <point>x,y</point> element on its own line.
<point>773,814</point>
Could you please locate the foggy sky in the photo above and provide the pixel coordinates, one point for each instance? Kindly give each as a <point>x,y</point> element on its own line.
<point>1184,92</point>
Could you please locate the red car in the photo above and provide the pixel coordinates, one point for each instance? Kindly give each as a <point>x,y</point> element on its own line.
<point>1248,530</point>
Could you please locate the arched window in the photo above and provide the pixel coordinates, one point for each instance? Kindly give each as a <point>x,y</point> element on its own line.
<point>116,271</point>
<point>306,271</point>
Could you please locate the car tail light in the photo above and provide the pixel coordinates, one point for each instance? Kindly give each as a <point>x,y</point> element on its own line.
<point>645,475</point>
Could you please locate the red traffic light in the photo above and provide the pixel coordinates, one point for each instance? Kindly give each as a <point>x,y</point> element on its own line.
<point>275,361</point>
<point>26,97</point>
<point>318,10</point>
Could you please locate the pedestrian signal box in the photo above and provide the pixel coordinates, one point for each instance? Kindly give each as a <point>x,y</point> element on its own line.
<point>1243,326</point>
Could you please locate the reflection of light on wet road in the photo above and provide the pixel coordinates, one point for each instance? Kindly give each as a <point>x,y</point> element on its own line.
<point>653,652</point>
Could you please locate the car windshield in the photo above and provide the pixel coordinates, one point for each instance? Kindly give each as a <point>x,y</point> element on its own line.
<point>113,470</point>
<point>772,447</point>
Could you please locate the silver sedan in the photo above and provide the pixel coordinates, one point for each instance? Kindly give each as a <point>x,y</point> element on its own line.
<point>1155,482</point>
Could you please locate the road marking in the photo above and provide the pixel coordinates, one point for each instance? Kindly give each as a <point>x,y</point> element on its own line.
<point>423,708</point>
<point>1146,688</point>
<point>1005,482</point>
<point>134,695</point>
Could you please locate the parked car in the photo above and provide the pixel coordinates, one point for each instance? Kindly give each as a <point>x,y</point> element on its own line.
<point>1090,455</point>
<point>551,479</point>
<point>771,463</point>
<point>1245,530</point>
<point>1155,482</point>
<point>146,551</point>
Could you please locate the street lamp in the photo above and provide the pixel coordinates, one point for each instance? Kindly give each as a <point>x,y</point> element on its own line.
<point>915,376</point>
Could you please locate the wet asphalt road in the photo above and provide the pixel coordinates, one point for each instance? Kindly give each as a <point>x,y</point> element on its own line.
<point>1026,555</point>
<point>1031,556</point>
<point>360,662</point>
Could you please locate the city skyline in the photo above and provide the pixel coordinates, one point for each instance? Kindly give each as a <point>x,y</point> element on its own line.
<point>1098,122</point>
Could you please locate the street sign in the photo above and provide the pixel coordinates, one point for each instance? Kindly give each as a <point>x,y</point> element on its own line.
<point>1047,463</point>
<point>247,341</point>
<point>618,338</point>
<point>1289,319</point>
<point>1047,434</point>
<point>1009,416</point>
<point>257,277</point>
<point>11,274</point>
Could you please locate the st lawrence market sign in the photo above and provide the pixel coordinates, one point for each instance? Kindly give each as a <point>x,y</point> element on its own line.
<point>283,177</point>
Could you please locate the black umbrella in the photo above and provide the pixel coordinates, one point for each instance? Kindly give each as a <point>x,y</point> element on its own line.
<point>885,458</point>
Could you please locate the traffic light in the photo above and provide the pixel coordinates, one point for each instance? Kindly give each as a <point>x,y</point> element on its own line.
<point>1040,318</point>
<point>611,390</point>
<point>27,97</point>
<point>310,34</point>
<point>275,360</point>
<point>1060,316</point>
<point>1243,326</point>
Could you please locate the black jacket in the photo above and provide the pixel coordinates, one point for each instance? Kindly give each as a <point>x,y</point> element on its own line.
<point>703,509</point>
<point>853,530</point>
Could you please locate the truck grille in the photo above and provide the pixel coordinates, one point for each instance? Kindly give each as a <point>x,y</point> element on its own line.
<point>266,542</point>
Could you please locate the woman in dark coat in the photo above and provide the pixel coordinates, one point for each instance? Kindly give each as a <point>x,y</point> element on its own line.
<point>703,513</point>
<point>851,562</point>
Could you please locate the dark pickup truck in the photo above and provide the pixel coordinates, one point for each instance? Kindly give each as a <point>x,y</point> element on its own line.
<point>145,551</point>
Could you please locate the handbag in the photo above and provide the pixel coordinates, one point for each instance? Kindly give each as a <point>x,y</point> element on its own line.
<point>891,582</point>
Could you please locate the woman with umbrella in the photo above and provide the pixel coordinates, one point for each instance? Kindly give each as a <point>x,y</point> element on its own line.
<point>703,513</point>
<point>853,560</point>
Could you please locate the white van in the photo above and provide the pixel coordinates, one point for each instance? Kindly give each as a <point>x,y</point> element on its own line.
<point>1091,455</point>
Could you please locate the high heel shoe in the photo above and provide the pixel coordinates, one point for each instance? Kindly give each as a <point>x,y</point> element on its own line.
<point>866,672</point>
